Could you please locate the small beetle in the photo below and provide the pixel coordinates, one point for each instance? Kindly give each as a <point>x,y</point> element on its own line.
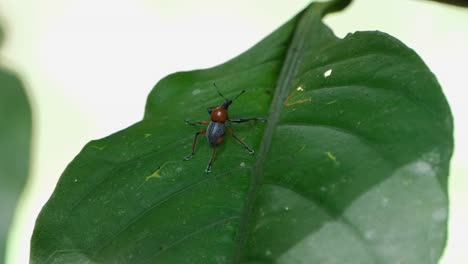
<point>217,127</point>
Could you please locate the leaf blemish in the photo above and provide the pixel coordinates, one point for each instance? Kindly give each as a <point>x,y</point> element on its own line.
<point>301,101</point>
<point>196,91</point>
<point>439,215</point>
<point>327,73</point>
<point>385,201</point>
<point>332,157</point>
<point>148,135</point>
<point>156,173</point>
<point>370,234</point>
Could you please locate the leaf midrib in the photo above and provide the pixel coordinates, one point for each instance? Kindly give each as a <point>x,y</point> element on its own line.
<point>289,70</point>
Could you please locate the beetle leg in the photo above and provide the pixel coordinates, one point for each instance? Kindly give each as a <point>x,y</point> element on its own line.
<point>242,120</point>
<point>213,155</point>
<point>203,131</point>
<point>240,141</point>
<point>192,123</point>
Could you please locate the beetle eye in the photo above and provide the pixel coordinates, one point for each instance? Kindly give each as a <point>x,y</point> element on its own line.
<point>210,110</point>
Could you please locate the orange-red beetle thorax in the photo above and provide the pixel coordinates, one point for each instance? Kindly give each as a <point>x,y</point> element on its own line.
<point>219,115</point>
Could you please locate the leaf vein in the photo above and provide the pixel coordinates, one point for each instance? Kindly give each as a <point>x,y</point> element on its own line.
<point>337,217</point>
<point>158,203</point>
<point>184,238</point>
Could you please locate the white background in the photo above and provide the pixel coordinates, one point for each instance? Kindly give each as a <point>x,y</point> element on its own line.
<point>89,64</point>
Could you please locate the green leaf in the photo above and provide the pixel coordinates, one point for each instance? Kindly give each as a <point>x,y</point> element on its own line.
<point>351,166</point>
<point>460,3</point>
<point>15,138</point>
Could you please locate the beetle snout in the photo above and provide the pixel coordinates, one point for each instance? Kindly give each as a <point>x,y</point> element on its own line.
<point>227,104</point>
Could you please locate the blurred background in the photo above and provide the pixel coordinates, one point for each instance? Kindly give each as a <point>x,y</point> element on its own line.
<point>88,66</point>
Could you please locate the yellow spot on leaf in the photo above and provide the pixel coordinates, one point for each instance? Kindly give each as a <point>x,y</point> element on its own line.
<point>156,173</point>
<point>331,156</point>
<point>148,135</point>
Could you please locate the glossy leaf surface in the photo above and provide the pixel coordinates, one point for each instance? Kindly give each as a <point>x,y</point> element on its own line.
<point>351,166</point>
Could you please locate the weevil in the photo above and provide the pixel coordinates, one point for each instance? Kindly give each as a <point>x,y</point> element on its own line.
<point>218,126</point>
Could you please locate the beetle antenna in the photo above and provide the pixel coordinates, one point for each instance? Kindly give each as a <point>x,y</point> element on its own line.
<point>220,94</point>
<point>243,91</point>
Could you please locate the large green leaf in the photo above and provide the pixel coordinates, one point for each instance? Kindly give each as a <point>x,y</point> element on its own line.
<point>351,166</point>
<point>15,138</point>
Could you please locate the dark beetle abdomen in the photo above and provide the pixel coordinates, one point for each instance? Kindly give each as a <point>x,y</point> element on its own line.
<point>215,131</point>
